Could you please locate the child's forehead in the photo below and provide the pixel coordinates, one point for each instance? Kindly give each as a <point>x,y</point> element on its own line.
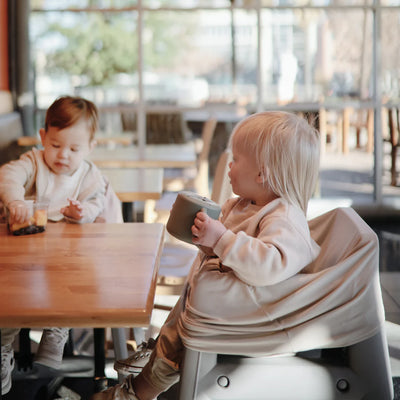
<point>241,138</point>
<point>74,134</point>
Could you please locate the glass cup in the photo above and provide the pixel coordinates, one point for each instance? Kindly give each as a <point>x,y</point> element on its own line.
<point>36,222</point>
<point>40,208</point>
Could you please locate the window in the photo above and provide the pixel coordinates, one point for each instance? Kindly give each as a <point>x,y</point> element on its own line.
<point>299,55</point>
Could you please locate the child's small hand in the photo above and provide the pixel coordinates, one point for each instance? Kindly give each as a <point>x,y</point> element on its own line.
<point>19,212</point>
<point>74,210</point>
<point>206,231</point>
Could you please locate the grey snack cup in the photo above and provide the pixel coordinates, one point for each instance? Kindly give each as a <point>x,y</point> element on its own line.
<point>183,212</point>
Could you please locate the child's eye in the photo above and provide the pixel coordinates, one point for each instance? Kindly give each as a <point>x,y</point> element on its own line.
<point>74,150</point>
<point>56,146</point>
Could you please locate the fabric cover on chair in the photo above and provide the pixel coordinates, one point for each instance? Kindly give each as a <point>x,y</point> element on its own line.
<point>335,302</point>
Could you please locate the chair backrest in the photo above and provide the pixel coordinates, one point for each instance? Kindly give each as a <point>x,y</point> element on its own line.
<point>207,135</point>
<point>338,232</point>
<point>201,179</point>
<point>221,188</point>
<point>128,121</point>
<point>112,212</point>
<point>394,125</point>
<point>166,127</point>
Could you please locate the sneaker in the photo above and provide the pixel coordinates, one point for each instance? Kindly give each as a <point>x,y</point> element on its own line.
<point>51,347</point>
<point>7,366</point>
<point>135,363</point>
<point>121,391</point>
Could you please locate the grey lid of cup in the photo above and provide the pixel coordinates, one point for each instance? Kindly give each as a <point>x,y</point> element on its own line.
<point>184,210</point>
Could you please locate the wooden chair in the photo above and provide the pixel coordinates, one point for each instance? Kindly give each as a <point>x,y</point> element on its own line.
<point>330,124</point>
<point>128,121</point>
<point>166,127</point>
<point>194,179</point>
<point>360,120</point>
<point>393,139</point>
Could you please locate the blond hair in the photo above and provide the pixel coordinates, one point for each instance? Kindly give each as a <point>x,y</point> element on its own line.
<point>287,151</point>
<point>67,110</point>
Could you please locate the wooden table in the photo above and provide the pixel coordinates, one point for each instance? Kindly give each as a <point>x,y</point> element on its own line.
<point>154,156</point>
<point>80,275</point>
<point>136,184</point>
<point>126,139</point>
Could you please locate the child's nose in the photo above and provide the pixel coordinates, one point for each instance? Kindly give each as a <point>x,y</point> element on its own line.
<point>62,153</point>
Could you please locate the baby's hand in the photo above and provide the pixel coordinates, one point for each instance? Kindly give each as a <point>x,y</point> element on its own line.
<point>74,210</point>
<point>19,212</point>
<point>206,231</point>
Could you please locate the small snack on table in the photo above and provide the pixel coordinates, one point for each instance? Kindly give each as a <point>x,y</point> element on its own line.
<point>36,223</point>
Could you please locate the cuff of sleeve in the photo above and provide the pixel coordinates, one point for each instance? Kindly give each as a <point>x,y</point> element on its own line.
<point>223,243</point>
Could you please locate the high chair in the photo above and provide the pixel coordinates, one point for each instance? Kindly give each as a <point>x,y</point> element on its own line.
<point>351,372</point>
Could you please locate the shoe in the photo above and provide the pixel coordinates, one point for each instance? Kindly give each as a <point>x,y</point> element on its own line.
<point>51,347</point>
<point>121,391</point>
<point>135,363</point>
<point>7,366</point>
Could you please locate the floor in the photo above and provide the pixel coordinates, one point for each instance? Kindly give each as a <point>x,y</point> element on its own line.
<point>345,180</point>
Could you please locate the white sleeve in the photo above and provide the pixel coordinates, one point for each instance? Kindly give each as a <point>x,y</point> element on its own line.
<point>92,195</point>
<point>15,175</point>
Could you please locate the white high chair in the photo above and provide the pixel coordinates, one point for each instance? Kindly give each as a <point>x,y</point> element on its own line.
<point>359,371</point>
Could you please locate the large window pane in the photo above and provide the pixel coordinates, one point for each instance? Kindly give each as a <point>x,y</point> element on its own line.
<point>391,55</point>
<point>192,58</point>
<point>185,3</point>
<point>80,4</point>
<point>316,3</point>
<point>90,54</point>
<point>308,57</point>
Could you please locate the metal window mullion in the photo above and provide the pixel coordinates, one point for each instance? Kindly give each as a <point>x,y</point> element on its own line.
<point>141,112</point>
<point>377,100</point>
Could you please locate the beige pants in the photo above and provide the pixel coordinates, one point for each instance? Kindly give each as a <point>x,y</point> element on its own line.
<point>162,370</point>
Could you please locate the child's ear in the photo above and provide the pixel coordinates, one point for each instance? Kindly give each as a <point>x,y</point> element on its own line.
<point>261,177</point>
<point>42,134</point>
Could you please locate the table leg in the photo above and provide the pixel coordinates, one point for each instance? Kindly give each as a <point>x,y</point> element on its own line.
<point>149,211</point>
<point>100,379</point>
<point>127,212</point>
<point>0,368</point>
<point>370,131</point>
<point>346,127</point>
<point>323,129</point>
